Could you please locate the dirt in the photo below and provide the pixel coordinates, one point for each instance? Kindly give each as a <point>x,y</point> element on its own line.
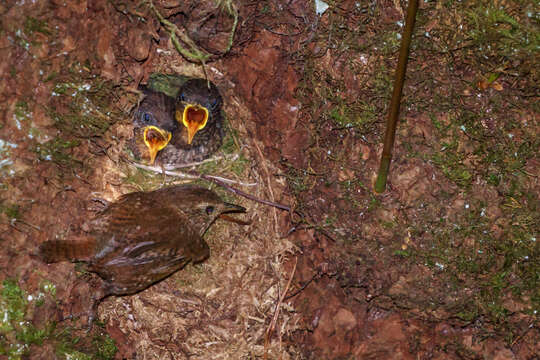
<point>442,265</point>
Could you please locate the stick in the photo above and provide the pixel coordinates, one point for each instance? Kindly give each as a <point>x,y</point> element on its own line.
<point>276,312</point>
<point>231,157</point>
<point>194,175</point>
<point>391,123</point>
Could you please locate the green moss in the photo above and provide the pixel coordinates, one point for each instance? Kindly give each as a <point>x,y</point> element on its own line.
<point>359,115</point>
<point>11,210</point>
<point>383,82</point>
<point>88,114</point>
<point>13,304</point>
<point>48,287</point>
<point>500,34</point>
<point>466,254</point>
<point>69,346</point>
<point>142,179</point>
<point>391,43</point>
<point>17,334</point>
<point>402,253</point>
<point>51,77</point>
<point>32,25</point>
<point>58,151</point>
<point>479,139</point>
<point>167,84</point>
<point>230,142</point>
<point>240,165</point>
<point>297,179</point>
<point>105,346</point>
<point>22,111</point>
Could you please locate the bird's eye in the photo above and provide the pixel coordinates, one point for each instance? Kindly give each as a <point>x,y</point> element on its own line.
<point>209,209</point>
<point>147,117</point>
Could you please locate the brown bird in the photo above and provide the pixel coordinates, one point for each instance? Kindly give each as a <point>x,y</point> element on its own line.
<point>199,120</point>
<point>153,125</point>
<point>143,238</point>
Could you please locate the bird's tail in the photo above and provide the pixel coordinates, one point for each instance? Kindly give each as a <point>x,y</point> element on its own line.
<point>64,250</point>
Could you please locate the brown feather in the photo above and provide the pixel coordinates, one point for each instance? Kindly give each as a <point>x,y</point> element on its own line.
<point>143,237</point>
<point>64,250</point>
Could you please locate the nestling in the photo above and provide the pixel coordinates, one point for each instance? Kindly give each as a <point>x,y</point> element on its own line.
<point>199,121</point>
<point>153,125</point>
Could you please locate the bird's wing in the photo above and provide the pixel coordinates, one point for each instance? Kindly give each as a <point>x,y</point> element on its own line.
<point>137,228</point>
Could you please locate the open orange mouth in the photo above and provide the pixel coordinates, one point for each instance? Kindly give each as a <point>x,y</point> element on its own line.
<point>194,119</point>
<point>155,139</point>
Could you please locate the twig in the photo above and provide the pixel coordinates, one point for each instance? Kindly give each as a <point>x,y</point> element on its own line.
<point>302,288</point>
<point>194,54</point>
<point>392,120</point>
<point>35,227</point>
<point>231,157</point>
<point>276,312</point>
<point>246,195</point>
<point>193,175</point>
<point>268,181</point>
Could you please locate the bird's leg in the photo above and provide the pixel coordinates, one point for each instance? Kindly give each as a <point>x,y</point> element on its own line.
<point>102,291</point>
<point>86,293</point>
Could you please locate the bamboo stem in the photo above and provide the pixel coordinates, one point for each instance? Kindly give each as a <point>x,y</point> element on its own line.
<point>391,124</point>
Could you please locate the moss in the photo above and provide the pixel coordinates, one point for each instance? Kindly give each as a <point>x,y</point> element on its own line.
<point>70,346</point>
<point>402,253</point>
<point>240,165</point>
<point>142,179</point>
<point>167,84</point>
<point>32,25</point>
<point>105,346</point>
<point>230,142</point>
<point>13,304</point>
<point>391,42</point>
<point>476,262</point>
<point>498,32</point>
<point>17,334</point>
<point>22,111</point>
<point>58,151</point>
<point>48,287</point>
<point>297,179</point>
<point>11,210</point>
<point>88,114</point>
<point>359,115</point>
<point>382,82</point>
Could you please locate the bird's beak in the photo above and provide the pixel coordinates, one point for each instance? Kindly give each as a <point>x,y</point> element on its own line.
<point>155,139</point>
<point>233,208</point>
<point>194,118</point>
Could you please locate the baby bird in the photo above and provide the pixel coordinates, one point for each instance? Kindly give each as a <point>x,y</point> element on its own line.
<point>199,121</point>
<point>153,125</point>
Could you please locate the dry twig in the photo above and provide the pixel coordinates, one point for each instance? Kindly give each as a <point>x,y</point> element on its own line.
<point>276,312</point>
<point>223,182</point>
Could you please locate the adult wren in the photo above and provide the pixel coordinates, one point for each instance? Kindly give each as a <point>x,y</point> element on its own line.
<point>142,238</point>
